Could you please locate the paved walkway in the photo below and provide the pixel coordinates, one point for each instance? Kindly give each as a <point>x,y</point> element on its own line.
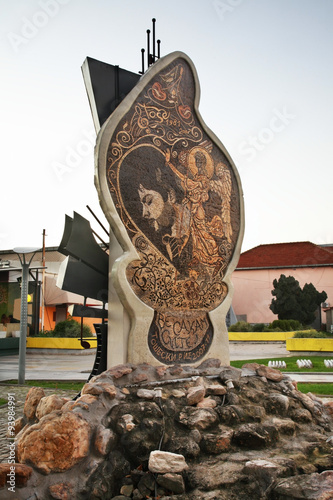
<point>40,366</point>
<point>257,350</point>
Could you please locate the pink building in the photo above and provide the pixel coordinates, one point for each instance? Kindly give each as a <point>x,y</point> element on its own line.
<point>258,267</point>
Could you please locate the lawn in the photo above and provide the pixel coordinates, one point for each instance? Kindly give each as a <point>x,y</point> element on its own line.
<point>291,366</point>
<point>52,384</point>
<point>325,389</point>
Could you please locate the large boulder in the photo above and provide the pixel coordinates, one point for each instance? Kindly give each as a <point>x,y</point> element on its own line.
<point>56,443</point>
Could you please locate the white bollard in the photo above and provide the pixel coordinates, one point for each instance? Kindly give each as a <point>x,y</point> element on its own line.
<point>277,364</point>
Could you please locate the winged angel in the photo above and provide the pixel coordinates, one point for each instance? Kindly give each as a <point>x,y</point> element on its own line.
<point>196,183</point>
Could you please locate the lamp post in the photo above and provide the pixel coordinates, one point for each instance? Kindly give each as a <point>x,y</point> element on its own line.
<point>25,264</point>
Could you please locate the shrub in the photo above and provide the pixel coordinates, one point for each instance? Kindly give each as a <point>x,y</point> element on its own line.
<point>295,325</point>
<point>270,330</point>
<point>286,325</point>
<point>71,328</point>
<point>240,326</point>
<point>259,327</point>
<point>46,333</point>
<point>311,334</point>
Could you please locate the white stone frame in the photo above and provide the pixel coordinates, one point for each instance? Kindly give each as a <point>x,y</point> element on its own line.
<point>129,318</point>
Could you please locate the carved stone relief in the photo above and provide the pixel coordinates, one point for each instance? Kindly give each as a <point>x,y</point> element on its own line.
<point>178,196</point>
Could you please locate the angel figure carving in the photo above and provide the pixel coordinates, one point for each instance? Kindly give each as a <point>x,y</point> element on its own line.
<point>223,187</point>
<point>196,184</point>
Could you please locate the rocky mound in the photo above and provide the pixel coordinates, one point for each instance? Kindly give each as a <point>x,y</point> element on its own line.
<point>177,432</point>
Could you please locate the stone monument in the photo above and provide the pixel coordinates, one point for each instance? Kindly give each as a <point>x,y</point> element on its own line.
<point>173,198</point>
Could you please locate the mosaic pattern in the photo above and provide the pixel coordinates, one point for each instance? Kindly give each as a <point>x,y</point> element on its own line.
<point>178,198</point>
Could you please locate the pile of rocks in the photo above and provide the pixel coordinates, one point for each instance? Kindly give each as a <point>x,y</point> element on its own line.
<point>177,432</point>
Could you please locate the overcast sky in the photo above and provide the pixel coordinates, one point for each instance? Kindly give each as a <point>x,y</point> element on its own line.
<point>266,76</point>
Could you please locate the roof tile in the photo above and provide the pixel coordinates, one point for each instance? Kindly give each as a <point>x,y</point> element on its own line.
<point>286,255</point>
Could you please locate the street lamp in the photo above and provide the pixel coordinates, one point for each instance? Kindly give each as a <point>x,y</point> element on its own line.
<point>25,263</point>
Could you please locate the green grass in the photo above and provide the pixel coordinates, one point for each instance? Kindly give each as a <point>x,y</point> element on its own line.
<point>3,401</point>
<point>325,389</point>
<point>291,366</point>
<point>52,384</point>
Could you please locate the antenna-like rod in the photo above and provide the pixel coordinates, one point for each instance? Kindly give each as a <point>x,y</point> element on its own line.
<point>154,21</point>
<point>142,61</point>
<point>151,58</point>
<point>148,48</point>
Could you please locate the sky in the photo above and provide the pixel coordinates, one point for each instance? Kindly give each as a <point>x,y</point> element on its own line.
<point>266,79</point>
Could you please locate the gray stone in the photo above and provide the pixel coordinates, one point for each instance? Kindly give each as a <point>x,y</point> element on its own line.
<point>125,423</point>
<point>228,415</point>
<point>217,443</point>
<point>248,372</point>
<point>214,475</point>
<point>270,373</point>
<point>176,393</point>
<point>263,471</point>
<point>301,415</point>
<point>119,371</point>
<point>209,363</point>
<point>245,413</point>
<point>195,395</point>
<point>105,439</point>
<point>284,425</point>
<point>137,495</point>
<point>216,390</point>
<point>255,436</point>
<point>146,394</point>
<point>163,461</point>
<point>310,486</point>
<point>186,446</point>
<point>277,404</point>
<point>232,398</point>
<point>198,418</point>
<point>126,490</point>
<point>146,484</point>
<point>230,373</point>
<point>207,403</point>
<point>172,482</point>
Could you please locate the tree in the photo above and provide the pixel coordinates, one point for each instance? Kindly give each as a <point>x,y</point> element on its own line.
<point>293,302</point>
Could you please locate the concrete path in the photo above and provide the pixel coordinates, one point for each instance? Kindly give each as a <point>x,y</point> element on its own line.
<point>41,366</point>
<point>48,367</point>
<point>257,350</point>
